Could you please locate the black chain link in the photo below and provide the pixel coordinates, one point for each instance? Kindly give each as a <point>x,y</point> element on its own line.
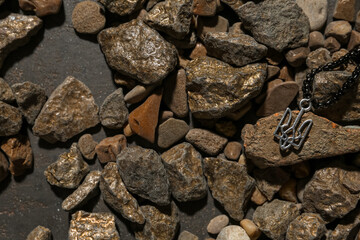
<point>307,88</point>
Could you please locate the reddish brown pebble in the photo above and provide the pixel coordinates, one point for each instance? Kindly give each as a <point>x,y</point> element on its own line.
<point>332,44</point>
<point>110,147</point>
<point>204,7</point>
<point>257,197</point>
<point>297,57</point>
<point>4,166</point>
<point>316,40</point>
<point>88,17</point>
<point>233,150</point>
<point>41,7</point>
<point>340,30</point>
<point>87,146</point>
<point>345,10</point>
<point>354,40</point>
<point>286,74</point>
<point>288,191</point>
<point>272,71</point>
<point>217,223</point>
<point>198,51</point>
<point>250,228</point>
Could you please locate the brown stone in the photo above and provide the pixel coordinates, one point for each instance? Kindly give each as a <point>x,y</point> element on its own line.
<point>4,166</point>
<point>238,114</point>
<point>123,7</point>
<point>354,40</point>
<point>316,40</point>
<point>233,150</point>
<point>288,191</point>
<point>185,235</point>
<point>204,7</point>
<point>274,57</point>
<point>10,120</point>
<point>297,57</point>
<point>273,84</point>
<point>272,71</point>
<point>171,131</point>
<point>347,227</point>
<point>6,93</point>
<point>286,74</point>
<point>307,226</point>
<point>88,17</point>
<point>198,51</point>
<point>124,81</point>
<point>332,44</point>
<point>110,147</point>
<point>138,93</point>
<point>250,228</point>
<point>128,132</point>
<point>345,10</point>
<point>340,30</point>
<point>226,128</point>
<point>211,24</point>
<point>257,197</point>
<point>39,233</point>
<point>41,7</point>
<point>87,146</point>
<point>301,169</point>
<point>165,115</point>
<point>236,29</point>
<point>357,22</point>
<point>217,223</point>
<point>318,58</point>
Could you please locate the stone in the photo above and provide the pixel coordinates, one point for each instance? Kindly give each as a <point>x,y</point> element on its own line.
<point>88,189</point>
<point>4,166</point>
<point>316,11</point>
<point>30,98</point>
<point>70,109</point>
<point>238,50</point>
<point>216,89</point>
<point>206,141</point>
<point>250,228</point>
<point>345,10</point>
<point>307,226</point>
<point>16,30</point>
<point>264,151</point>
<point>274,57</point>
<point>128,132</point>
<point>211,24</point>
<point>117,197</point>
<point>138,51</point>
<point>224,176</point>
<point>263,19</point>
<point>272,71</point>
<point>316,40</point>
<point>138,93</point>
<point>165,115</point>
<point>301,169</point>
<point>10,120</point>
<point>354,40</point>
<point>39,233</point>
<point>124,81</point>
<point>185,235</point>
<point>123,7</point>
<point>87,146</point>
<point>6,93</point>
<point>274,83</point>
<point>288,192</point>
<point>113,112</point>
<point>198,51</point>
<point>347,227</point>
<point>332,44</point>
<point>144,174</point>
<point>238,114</point>
<point>144,119</point>
<point>183,165</point>
<point>108,148</point>
<point>204,7</point>
<point>297,57</point>
<point>175,96</point>
<point>97,226</point>
<point>41,7</point>
<point>171,131</point>
<point>88,17</point>
<point>341,30</point>
<point>357,22</point>
<point>286,74</point>
<point>188,42</point>
<point>232,232</point>
<point>68,170</point>
<point>236,29</point>
<point>257,197</point>
<point>318,58</point>
<point>233,150</point>
<point>226,128</point>
<point>217,223</point>
<point>19,152</point>
<point>273,218</point>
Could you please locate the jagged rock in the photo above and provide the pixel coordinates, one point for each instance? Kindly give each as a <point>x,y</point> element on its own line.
<point>307,226</point>
<point>316,11</point>
<point>10,120</point>
<point>39,233</point>
<point>87,146</point>
<point>122,7</point>
<point>110,147</point>
<point>40,7</point>
<point>113,112</point>
<point>6,94</point>
<point>347,227</point>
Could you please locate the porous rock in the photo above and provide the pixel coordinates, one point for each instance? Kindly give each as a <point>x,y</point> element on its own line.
<point>39,233</point>
<point>6,94</point>
<point>113,112</point>
<point>4,166</point>
<point>232,232</point>
<point>88,17</point>
<point>122,7</point>
<point>171,131</point>
<point>316,11</point>
<point>87,146</point>
<point>110,147</point>
<point>41,7</point>
<point>307,226</point>
<point>10,120</point>
<point>318,57</point>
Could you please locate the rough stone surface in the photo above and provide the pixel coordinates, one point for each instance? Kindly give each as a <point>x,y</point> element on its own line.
<point>345,10</point>
<point>16,30</point>
<point>88,17</point>
<point>288,192</point>
<point>232,150</point>
<point>113,112</point>
<point>216,89</point>
<point>198,51</point>
<point>278,24</point>
<point>171,131</point>
<point>347,227</point>
<point>138,51</point>
<point>316,40</point>
<point>274,218</point>
<point>96,226</point>
<point>297,57</point>
<point>224,176</point>
<point>30,98</point>
<point>68,170</point>
<point>122,7</point>
<point>307,226</point>
<point>332,44</point>
<point>257,197</point>
<point>4,166</point>
<point>206,141</point>
<point>10,120</point>
<point>41,7</point>
<point>87,146</point>
<point>183,165</point>
<point>110,147</point>
<point>88,189</point>
<point>6,94</point>
<point>217,223</point>
<point>69,110</point>
<point>185,235</point>
<point>117,197</point>
<point>316,11</point>
<point>39,233</point>
<point>204,7</point>
<point>232,232</point>
<point>318,57</point>
<point>264,151</point>
<point>144,174</point>
<point>340,30</point>
<point>272,71</point>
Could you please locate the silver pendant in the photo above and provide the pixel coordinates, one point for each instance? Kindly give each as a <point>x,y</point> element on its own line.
<point>288,135</point>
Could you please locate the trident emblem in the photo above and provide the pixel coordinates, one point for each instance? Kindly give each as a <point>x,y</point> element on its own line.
<point>289,135</point>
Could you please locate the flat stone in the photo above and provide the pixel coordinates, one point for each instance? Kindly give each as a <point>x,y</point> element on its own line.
<point>19,152</point>
<point>40,7</point>
<point>354,40</point>
<point>316,11</point>
<point>123,7</point>
<point>250,228</point>
<point>138,51</point>
<point>278,24</point>
<point>205,7</point>
<point>233,150</point>
<point>318,58</point>
<point>87,146</point>
<point>30,98</point>
<point>138,93</point>
<point>39,233</point>
<point>171,131</point>
<point>297,57</point>
<point>288,191</point>
<point>211,24</point>
<point>97,226</point>
<point>16,30</point>
<point>347,227</point>
<point>217,223</point>
<point>332,44</point>
<point>264,151</point>
<point>70,109</point>
<point>185,235</point>
<point>88,189</point>
<point>144,174</point>
<point>216,89</point>
<point>6,94</point>
<point>340,30</point>
<point>274,83</point>
<point>68,170</point>
<point>307,226</point>
<point>108,148</point>
<point>117,197</point>
<point>88,17</point>
<point>345,10</point>
<point>4,166</point>
<point>113,112</point>
<point>273,218</point>
<point>10,120</point>
<point>224,176</point>
<point>316,40</point>
<point>232,232</point>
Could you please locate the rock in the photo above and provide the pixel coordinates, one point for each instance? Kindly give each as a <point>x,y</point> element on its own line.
<point>297,57</point>
<point>128,132</point>
<point>236,29</point>
<point>185,235</point>
<point>357,22</point>
<point>40,7</point>
<point>354,40</point>
<point>206,141</point>
<point>238,114</point>
<point>204,7</point>
<point>318,57</point>
<point>198,51</point>
<point>18,151</point>
<point>235,5</point>
<point>175,96</point>
<point>233,150</point>
<point>70,109</point>
<point>124,81</point>
<point>250,228</point>
<point>286,74</point>
<point>165,115</point>
<point>274,57</point>
<point>216,89</point>
<point>88,189</point>
<point>211,24</point>
<point>110,147</point>
<point>123,7</point>
<point>138,51</point>
<point>345,10</point>
<point>117,197</point>
<point>10,120</point>
<point>30,98</point>
<point>113,112</point>
<point>264,151</point>
<point>316,11</point>
<point>272,71</point>
<point>87,146</point>
<point>217,223</point>
<point>347,227</point>
<point>287,191</point>
<point>274,83</point>
<point>144,119</point>
<point>6,93</point>
<point>301,169</point>
<point>171,131</point>
<point>138,93</point>
<point>316,40</point>
<point>4,166</point>
<point>332,44</point>
<point>226,128</point>
<point>238,50</point>
<point>188,42</point>
<point>273,218</point>
<point>278,24</point>
<point>257,197</point>
<point>183,165</point>
<point>144,174</point>
<point>16,30</point>
<point>340,30</point>
<point>68,170</point>
<point>307,226</point>
<point>88,17</point>
<point>225,176</point>
<point>93,225</point>
<point>39,233</point>
<point>232,232</point>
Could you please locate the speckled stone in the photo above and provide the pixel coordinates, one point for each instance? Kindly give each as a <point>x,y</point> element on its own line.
<point>113,112</point>
<point>122,7</point>
<point>88,17</point>
<point>6,94</point>
<point>341,30</point>
<point>39,233</point>
<point>316,11</point>
<point>171,131</point>
<point>108,148</point>
<point>87,146</point>
<point>345,10</point>
<point>233,150</point>
<point>318,57</point>
<point>185,235</point>
<point>232,232</point>
<point>10,120</point>
<point>307,226</point>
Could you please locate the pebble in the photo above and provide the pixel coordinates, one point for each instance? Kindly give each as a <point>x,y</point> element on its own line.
<point>316,11</point>
<point>113,112</point>
<point>123,7</point>
<point>88,17</point>
<point>6,93</point>
<point>341,30</point>
<point>357,22</point>
<point>274,83</point>
<point>198,51</point>
<point>345,10</point>
<point>226,128</point>
<point>171,131</point>
<point>250,228</point>
<point>332,44</point>
<point>185,235</point>
<point>307,226</point>
<point>4,166</point>
<point>301,170</point>
<point>316,40</point>
<point>211,24</point>
<point>233,150</point>
<point>206,141</point>
<point>87,146</point>
<point>286,74</point>
<point>165,115</point>
<point>138,93</point>
<point>288,191</point>
<point>40,7</point>
<point>297,57</point>
<point>272,71</point>
<point>39,233</point>
<point>10,120</point>
<point>232,232</point>
<point>217,224</point>
<point>257,197</point>
<point>318,57</point>
<point>204,7</point>
<point>108,148</point>
<point>128,132</point>
<point>354,40</point>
